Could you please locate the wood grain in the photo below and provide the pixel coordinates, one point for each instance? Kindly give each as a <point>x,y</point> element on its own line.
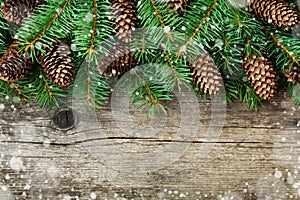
<point>117,154</point>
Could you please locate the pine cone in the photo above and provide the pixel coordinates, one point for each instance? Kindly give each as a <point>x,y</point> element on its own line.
<point>58,64</point>
<point>13,66</point>
<point>126,20</point>
<point>293,75</point>
<point>117,62</point>
<point>276,12</point>
<point>206,76</point>
<point>179,5</point>
<point>262,75</point>
<point>17,10</point>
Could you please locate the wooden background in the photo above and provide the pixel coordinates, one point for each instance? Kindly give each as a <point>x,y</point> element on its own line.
<point>114,155</point>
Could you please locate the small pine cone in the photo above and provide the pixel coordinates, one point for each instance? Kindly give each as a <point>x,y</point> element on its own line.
<point>17,10</point>
<point>179,5</point>
<point>126,19</point>
<point>276,12</point>
<point>206,76</point>
<point>13,66</point>
<point>262,75</point>
<point>293,75</point>
<point>58,64</point>
<point>117,62</point>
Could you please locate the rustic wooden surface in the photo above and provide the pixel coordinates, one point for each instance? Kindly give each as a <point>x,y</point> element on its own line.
<point>107,156</point>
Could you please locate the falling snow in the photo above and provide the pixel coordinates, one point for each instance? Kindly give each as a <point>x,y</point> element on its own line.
<point>93,195</point>
<point>88,17</point>
<point>73,47</point>
<point>2,107</point>
<point>278,174</point>
<point>16,164</point>
<point>167,29</point>
<point>183,48</point>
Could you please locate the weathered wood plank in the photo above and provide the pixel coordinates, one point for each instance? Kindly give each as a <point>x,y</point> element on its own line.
<point>108,156</point>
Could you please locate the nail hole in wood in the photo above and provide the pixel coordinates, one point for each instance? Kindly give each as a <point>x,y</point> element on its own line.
<point>65,119</point>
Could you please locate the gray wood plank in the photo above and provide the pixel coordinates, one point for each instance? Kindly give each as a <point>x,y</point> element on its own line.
<point>115,153</point>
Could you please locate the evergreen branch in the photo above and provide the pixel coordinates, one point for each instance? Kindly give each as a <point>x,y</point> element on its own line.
<point>158,25</point>
<point>45,92</point>
<point>90,88</point>
<point>161,19</point>
<point>283,47</point>
<point>48,88</point>
<point>143,42</point>
<point>89,82</point>
<point>172,68</point>
<point>226,41</point>
<point>201,23</point>
<point>48,24</point>
<point>231,90</point>
<point>4,34</point>
<point>199,33</point>
<point>19,92</point>
<point>147,87</point>
<point>238,19</point>
<point>92,30</point>
<point>248,95</point>
<point>5,91</point>
<point>153,99</point>
<point>42,32</point>
<point>92,46</point>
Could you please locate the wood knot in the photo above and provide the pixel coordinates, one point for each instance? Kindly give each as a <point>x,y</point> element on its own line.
<point>65,119</point>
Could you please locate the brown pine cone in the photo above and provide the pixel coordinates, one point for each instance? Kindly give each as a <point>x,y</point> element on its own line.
<point>276,12</point>
<point>206,75</point>
<point>293,75</point>
<point>261,73</point>
<point>58,64</point>
<point>17,10</point>
<point>119,61</point>
<point>14,66</point>
<point>126,19</point>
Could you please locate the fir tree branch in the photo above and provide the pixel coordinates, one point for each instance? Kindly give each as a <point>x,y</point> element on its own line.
<point>4,33</point>
<point>248,95</point>
<point>44,91</point>
<point>42,32</point>
<point>161,19</point>
<point>152,97</point>
<point>177,79</point>
<point>19,92</point>
<point>283,47</point>
<point>50,94</point>
<point>238,19</point>
<point>158,26</point>
<point>49,23</point>
<point>201,23</point>
<point>92,29</point>
<point>92,45</point>
<point>226,41</point>
<point>89,82</point>
<point>90,88</point>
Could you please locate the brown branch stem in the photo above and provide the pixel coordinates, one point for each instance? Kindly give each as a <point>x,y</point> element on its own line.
<point>161,19</point>
<point>92,45</point>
